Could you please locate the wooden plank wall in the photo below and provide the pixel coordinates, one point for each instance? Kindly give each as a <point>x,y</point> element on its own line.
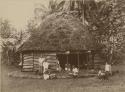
<point>30,61</point>
<point>27,62</point>
<point>36,61</point>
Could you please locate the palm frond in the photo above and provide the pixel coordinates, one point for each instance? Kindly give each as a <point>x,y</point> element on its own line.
<point>60,5</point>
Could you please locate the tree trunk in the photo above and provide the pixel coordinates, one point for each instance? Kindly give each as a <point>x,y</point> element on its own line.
<point>8,58</point>
<point>111,56</point>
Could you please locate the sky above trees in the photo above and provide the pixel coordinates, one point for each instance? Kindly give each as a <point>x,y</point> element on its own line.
<point>18,12</point>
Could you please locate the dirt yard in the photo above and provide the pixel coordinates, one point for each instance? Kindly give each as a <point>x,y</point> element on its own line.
<point>115,83</point>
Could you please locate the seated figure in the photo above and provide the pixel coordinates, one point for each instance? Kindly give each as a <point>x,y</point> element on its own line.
<point>46,75</point>
<point>75,71</point>
<point>102,75</point>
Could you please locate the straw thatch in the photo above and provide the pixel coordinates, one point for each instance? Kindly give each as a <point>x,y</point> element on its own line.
<point>58,32</point>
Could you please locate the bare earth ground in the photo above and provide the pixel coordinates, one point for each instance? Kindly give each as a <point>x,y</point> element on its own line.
<point>115,84</point>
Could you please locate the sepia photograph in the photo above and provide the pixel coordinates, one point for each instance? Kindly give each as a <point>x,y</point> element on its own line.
<point>62,45</point>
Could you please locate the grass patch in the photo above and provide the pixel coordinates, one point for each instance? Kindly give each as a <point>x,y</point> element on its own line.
<point>92,84</point>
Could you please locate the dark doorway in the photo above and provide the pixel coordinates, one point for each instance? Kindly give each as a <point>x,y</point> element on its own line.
<point>74,59</point>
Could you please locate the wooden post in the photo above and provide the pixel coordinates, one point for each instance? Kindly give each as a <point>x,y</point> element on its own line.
<point>67,60</point>
<point>78,59</point>
<point>67,53</point>
<point>87,60</point>
<point>22,60</point>
<point>93,55</point>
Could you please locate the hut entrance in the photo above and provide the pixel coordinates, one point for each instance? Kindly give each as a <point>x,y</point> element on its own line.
<point>79,59</point>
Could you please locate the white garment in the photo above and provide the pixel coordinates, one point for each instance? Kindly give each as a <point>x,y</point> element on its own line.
<point>100,73</point>
<point>66,69</point>
<point>75,71</point>
<point>41,60</point>
<point>45,66</point>
<point>46,76</point>
<point>108,67</point>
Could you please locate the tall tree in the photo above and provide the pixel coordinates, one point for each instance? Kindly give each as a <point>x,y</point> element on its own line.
<point>5,33</point>
<point>10,38</point>
<point>104,20</point>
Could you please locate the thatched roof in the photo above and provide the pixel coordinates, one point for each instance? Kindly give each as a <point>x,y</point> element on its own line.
<point>58,32</point>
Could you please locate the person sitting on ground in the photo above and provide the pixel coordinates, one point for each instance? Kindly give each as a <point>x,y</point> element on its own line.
<point>102,75</point>
<point>46,75</point>
<point>52,76</point>
<point>75,71</point>
<point>67,67</point>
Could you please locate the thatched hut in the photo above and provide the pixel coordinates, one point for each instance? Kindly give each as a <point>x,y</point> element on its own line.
<point>58,33</point>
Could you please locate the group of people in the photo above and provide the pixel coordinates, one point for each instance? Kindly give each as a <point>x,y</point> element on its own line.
<point>44,69</point>
<point>104,74</point>
<point>74,71</point>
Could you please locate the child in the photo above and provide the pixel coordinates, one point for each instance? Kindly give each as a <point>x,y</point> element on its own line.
<point>102,75</point>
<point>46,75</point>
<point>75,71</point>
<point>67,67</point>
